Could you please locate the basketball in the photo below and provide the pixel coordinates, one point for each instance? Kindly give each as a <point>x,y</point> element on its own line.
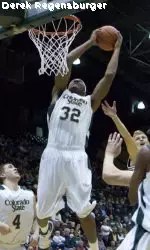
<point>106,37</point>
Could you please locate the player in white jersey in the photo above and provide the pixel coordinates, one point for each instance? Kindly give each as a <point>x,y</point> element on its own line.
<point>17,211</point>
<point>64,163</point>
<point>139,185</point>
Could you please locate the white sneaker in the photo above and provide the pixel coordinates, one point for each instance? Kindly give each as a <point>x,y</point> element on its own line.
<point>44,238</point>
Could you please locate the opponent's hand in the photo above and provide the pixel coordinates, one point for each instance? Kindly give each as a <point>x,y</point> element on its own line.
<point>119,40</point>
<point>33,241</point>
<point>108,110</point>
<point>114,144</point>
<point>4,229</point>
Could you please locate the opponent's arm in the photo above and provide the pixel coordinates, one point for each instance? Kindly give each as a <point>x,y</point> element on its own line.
<point>114,176</point>
<point>103,87</point>
<point>61,82</point>
<point>129,141</point>
<point>143,159</point>
<point>111,174</point>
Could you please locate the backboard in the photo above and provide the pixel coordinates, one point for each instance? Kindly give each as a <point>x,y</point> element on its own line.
<point>36,14</point>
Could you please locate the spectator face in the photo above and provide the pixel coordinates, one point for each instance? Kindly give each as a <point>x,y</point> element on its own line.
<point>80,243</point>
<point>63,233</point>
<point>67,231</point>
<point>118,219</point>
<point>120,230</point>
<point>57,224</point>
<point>105,222</point>
<point>112,243</point>
<point>57,233</point>
<point>114,229</point>
<point>72,231</point>
<point>72,224</point>
<point>111,217</point>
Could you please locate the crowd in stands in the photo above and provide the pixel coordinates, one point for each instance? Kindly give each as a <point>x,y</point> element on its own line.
<point>113,213</point>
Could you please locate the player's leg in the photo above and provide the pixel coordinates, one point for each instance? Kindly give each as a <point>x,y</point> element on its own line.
<point>89,227</point>
<point>49,194</point>
<point>79,194</point>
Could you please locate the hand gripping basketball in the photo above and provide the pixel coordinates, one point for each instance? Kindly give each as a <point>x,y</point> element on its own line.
<point>108,37</point>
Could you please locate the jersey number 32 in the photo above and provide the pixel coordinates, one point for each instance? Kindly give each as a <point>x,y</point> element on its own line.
<point>72,114</point>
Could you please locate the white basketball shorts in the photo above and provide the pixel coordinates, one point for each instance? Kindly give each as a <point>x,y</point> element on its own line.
<point>136,239</point>
<point>64,172</point>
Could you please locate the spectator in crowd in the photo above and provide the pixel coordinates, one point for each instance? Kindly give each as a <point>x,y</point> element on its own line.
<point>105,231</point>
<point>58,241</point>
<point>120,234</point>
<point>69,240</point>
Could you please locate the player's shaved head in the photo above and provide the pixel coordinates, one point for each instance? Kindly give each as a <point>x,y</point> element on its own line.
<point>77,86</point>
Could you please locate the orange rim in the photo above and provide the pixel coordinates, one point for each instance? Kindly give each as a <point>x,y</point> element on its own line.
<point>61,33</point>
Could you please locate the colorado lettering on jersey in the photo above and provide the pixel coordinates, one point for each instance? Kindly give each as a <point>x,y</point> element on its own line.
<point>74,100</point>
<point>17,205</point>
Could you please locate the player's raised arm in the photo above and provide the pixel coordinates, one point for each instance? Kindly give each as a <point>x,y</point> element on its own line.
<point>61,82</point>
<point>103,87</point>
<point>129,141</point>
<point>111,174</point>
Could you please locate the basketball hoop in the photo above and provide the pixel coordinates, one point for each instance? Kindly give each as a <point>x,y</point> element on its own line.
<point>53,46</point>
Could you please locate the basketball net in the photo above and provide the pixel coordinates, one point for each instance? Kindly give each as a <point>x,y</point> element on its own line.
<point>53,47</point>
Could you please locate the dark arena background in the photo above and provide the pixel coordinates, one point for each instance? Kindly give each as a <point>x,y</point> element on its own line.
<point>25,97</point>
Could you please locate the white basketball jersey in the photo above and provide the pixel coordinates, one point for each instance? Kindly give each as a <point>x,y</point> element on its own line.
<point>141,216</point>
<point>17,211</point>
<point>69,121</point>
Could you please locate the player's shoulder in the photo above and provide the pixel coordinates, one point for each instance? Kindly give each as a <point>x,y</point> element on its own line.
<point>145,149</point>
<point>144,153</point>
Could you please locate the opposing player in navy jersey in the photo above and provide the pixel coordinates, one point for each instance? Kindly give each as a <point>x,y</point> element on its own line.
<point>64,163</point>
<point>139,185</point>
<point>17,211</point>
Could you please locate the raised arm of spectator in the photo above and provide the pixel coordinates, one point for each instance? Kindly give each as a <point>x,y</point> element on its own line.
<point>129,141</point>
<point>111,174</point>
